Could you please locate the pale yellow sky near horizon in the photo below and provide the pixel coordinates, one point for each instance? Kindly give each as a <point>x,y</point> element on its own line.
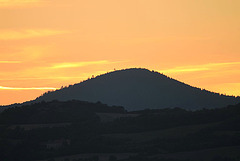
<point>46,44</point>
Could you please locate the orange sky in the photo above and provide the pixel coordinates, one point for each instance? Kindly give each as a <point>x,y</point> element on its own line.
<point>46,44</point>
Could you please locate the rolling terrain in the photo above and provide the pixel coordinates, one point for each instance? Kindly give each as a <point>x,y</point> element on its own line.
<point>77,130</point>
<point>127,115</point>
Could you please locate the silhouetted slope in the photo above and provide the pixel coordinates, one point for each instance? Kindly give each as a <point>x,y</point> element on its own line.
<point>55,112</point>
<point>137,89</point>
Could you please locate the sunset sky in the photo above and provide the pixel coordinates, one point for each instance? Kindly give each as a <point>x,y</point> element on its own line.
<point>46,44</point>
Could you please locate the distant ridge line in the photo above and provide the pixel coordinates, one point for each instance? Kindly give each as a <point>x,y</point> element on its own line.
<point>140,88</point>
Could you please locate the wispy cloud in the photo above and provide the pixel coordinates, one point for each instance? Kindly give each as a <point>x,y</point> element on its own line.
<point>41,78</point>
<point>9,62</point>
<point>19,3</point>
<point>183,69</point>
<point>222,64</point>
<point>195,68</point>
<point>80,64</point>
<point>30,33</point>
<point>30,88</point>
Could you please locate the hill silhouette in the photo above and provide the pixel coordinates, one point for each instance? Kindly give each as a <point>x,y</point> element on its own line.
<point>137,89</point>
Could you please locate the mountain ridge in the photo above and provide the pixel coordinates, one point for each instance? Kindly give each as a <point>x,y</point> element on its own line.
<point>140,88</point>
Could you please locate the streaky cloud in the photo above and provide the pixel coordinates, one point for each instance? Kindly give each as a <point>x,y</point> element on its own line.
<point>29,33</point>
<point>40,78</point>
<point>196,68</point>
<point>19,3</point>
<point>80,64</point>
<point>28,88</point>
<point>182,69</point>
<point>9,62</point>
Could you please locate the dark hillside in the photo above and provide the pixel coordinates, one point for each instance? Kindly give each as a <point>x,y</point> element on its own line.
<point>59,129</point>
<point>55,112</point>
<point>137,89</point>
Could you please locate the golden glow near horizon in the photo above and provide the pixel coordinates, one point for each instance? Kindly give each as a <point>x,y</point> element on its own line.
<point>203,67</point>
<point>78,64</point>
<point>48,44</point>
<point>31,88</point>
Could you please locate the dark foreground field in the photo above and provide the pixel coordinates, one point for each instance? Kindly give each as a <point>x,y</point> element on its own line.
<point>82,131</point>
